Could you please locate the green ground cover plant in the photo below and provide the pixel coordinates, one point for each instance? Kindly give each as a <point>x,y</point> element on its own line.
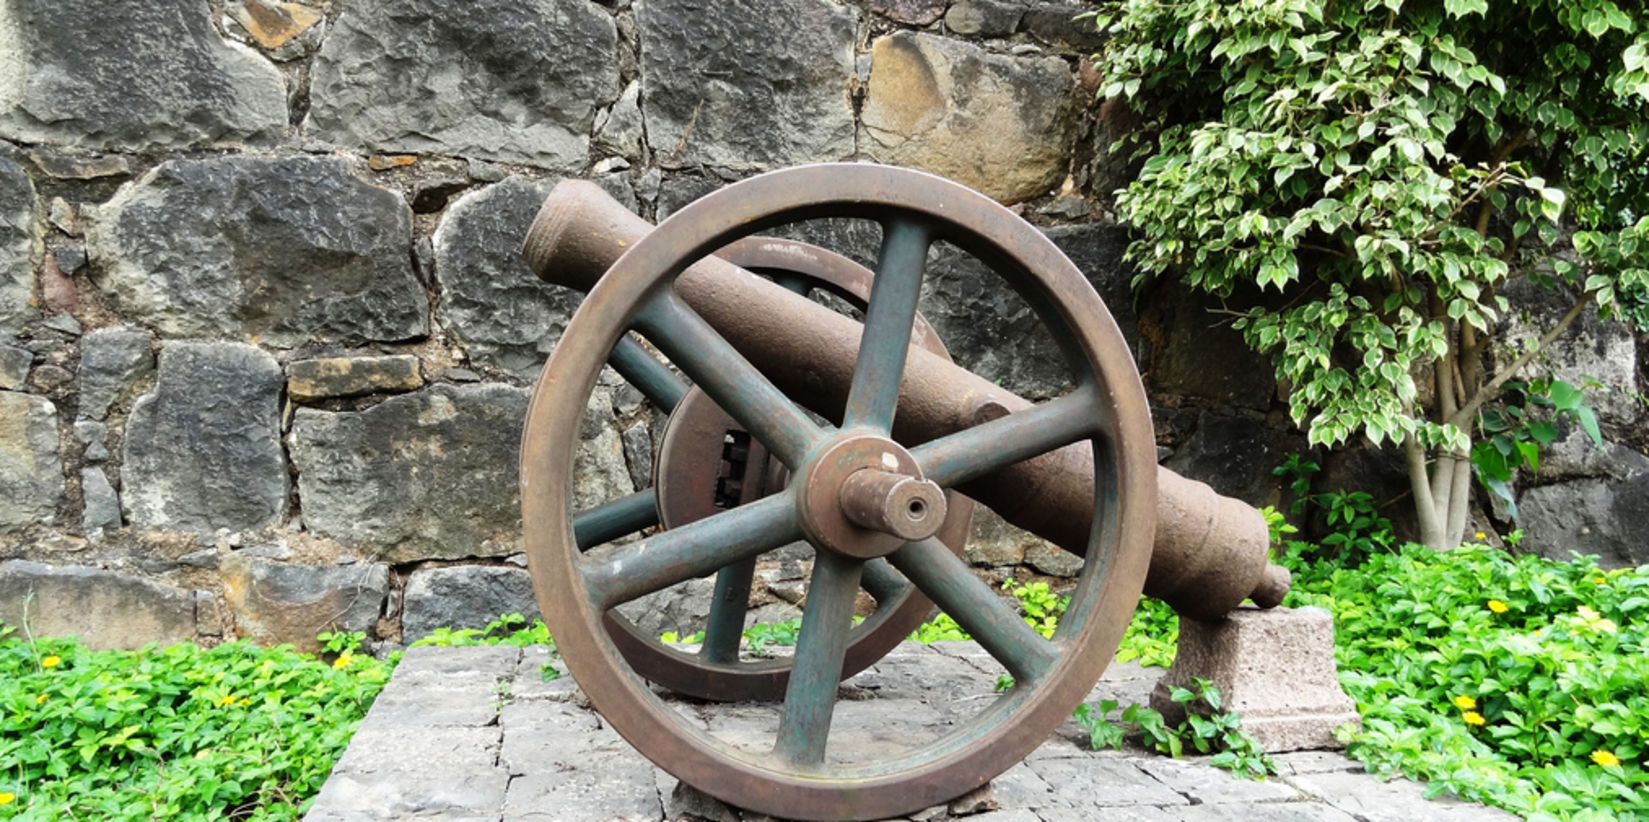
<point>182,732</point>
<point>1512,680</point>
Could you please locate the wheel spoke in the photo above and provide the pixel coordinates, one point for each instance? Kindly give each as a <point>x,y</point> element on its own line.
<point>810,697</point>
<point>611,520</point>
<point>656,382</point>
<point>888,319</point>
<point>718,368</point>
<point>882,582</point>
<point>987,617</point>
<point>974,452</point>
<point>727,608</point>
<point>622,573</point>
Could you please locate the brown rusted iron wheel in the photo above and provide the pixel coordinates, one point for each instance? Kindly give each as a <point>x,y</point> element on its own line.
<point>794,777</point>
<point>684,474</point>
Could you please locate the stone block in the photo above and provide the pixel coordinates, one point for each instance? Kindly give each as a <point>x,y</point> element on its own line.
<point>1273,667</point>
<point>31,467</point>
<point>106,609</point>
<point>995,123</point>
<point>102,503</point>
<point>112,361</point>
<point>984,18</point>
<point>14,366</point>
<point>491,302</point>
<point>274,603</point>
<point>330,377</point>
<point>275,250</point>
<point>425,475</point>
<point>463,596</point>
<point>516,81</point>
<point>132,76</point>
<point>203,450</point>
<point>1602,517</point>
<point>746,85</point>
<point>21,247</point>
<point>914,12</point>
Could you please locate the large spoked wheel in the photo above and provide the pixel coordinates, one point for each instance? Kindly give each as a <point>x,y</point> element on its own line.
<point>684,482</point>
<point>856,495</point>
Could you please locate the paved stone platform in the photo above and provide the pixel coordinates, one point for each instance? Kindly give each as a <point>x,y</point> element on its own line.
<point>473,734</point>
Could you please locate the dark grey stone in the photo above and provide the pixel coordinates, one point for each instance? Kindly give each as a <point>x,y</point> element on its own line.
<point>514,81</point>
<point>14,366</point>
<point>131,76</point>
<point>1236,453</point>
<point>682,609</point>
<point>1201,357</point>
<point>675,192</point>
<point>92,435</point>
<point>638,454</point>
<point>107,609</point>
<point>430,474</point>
<point>619,132</point>
<point>463,596</point>
<point>112,361</point>
<point>31,469</point>
<point>1097,249</point>
<point>1603,517</point>
<point>984,18</point>
<point>914,12</point>
<point>989,328</point>
<point>20,245</point>
<point>203,450</point>
<point>102,503</point>
<point>1589,351</point>
<point>746,84</point>
<point>1574,455</point>
<point>1056,24</point>
<point>275,603</point>
<point>276,250</point>
<point>1052,560</point>
<point>491,302</point>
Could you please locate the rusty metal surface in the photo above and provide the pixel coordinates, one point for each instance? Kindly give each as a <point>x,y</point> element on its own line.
<point>819,362</point>
<point>687,483</point>
<point>1202,568</point>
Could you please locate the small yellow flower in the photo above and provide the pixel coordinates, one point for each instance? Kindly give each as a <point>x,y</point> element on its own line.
<point>244,702</point>
<point>1497,606</point>
<point>8,798</point>
<point>228,700</point>
<point>1599,581</point>
<point>1465,703</point>
<point>1480,535</point>
<point>41,698</point>
<point>1473,718</point>
<point>51,662</point>
<point>1606,759</point>
<point>342,661</point>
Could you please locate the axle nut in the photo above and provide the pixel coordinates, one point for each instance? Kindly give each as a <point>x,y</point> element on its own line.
<point>893,503</point>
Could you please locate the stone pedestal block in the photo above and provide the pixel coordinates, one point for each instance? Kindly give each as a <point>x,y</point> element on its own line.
<point>1275,668</point>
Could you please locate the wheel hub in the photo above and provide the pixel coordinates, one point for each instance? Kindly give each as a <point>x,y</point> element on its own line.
<point>864,496</point>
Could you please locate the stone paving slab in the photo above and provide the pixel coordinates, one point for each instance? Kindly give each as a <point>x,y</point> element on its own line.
<point>472,734</point>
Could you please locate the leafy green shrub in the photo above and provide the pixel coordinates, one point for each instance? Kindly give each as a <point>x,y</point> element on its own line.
<point>1206,729</point>
<point>1516,681</point>
<point>182,732</point>
<point>507,629</point>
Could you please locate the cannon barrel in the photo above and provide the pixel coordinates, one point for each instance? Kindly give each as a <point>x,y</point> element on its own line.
<point>1210,552</point>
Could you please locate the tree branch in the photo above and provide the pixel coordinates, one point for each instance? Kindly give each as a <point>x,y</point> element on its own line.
<point>1491,387</point>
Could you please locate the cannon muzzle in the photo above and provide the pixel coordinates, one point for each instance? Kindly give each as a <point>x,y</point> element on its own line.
<point>1210,551</point>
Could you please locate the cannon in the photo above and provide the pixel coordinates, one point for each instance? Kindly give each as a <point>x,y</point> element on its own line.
<point>855,433</point>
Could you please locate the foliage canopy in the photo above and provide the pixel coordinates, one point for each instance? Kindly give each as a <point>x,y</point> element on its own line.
<point>1388,166</point>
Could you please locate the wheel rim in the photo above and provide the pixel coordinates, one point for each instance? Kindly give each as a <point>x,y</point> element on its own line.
<point>799,267</point>
<point>1054,675</point>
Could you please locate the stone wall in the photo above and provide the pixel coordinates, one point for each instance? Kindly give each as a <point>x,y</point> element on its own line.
<point>266,341</point>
